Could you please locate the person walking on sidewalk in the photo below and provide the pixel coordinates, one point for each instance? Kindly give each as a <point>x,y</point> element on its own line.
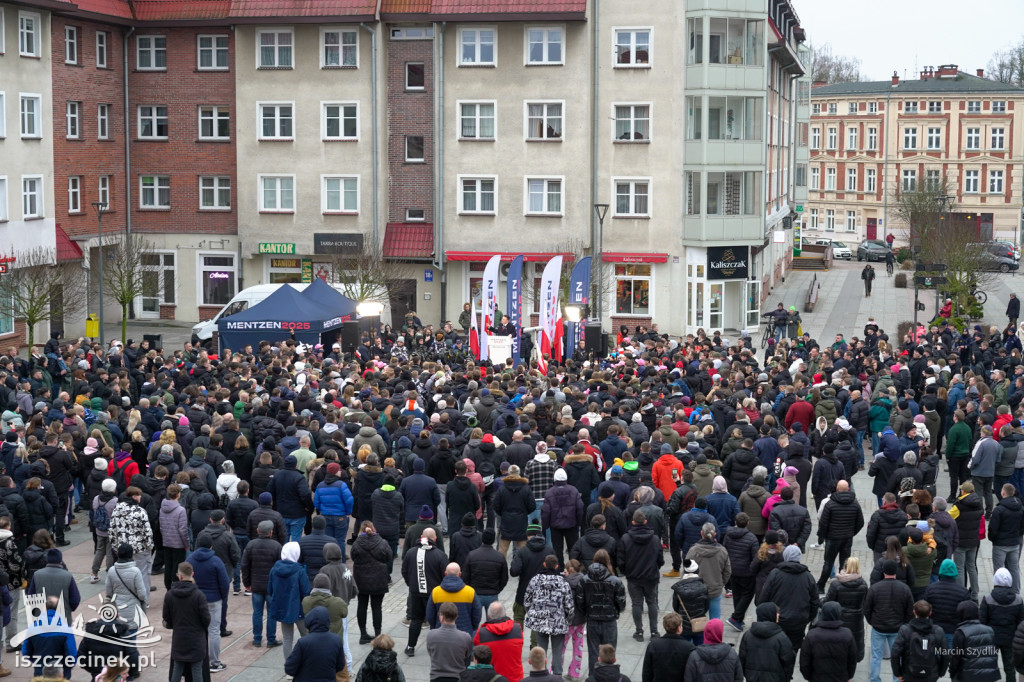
<point>1013,310</point>
<point>868,275</point>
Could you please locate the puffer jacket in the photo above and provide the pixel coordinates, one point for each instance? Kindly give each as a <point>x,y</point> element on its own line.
<point>742,547</point>
<point>687,530</point>
<point>828,471</point>
<point>601,596</point>
<point>967,512</point>
<point>751,503</point>
<point>591,541</point>
<point>258,557</point>
<point>980,660</point>
<point>581,474</point>
<point>370,556</point>
<point>368,479</point>
<point>486,571</point>
<point>849,591</point>
<point>793,589</point>
<point>766,653</point>
<point>690,600</point>
<point>889,520</point>
<point>40,512</point>
<point>792,518</point>
<point>1003,611</point>
<point>368,436</point>
<point>639,555</point>
<point>842,517</point>
<point>549,603</point>
<point>826,655</point>
<point>737,468</point>
<point>388,511</point>
<point>513,504</point>
<point>333,497</point>
<point>1006,525</point>
<point>945,595</point>
<point>562,508</point>
<point>714,663</point>
<point>463,542</point>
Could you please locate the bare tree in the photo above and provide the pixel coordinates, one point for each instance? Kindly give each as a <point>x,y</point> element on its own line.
<point>578,248</point>
<point>1007,66</point>
<point>41,289</point>
<point>368,275</point>
<point>832,68</point>
<point>123,273</point>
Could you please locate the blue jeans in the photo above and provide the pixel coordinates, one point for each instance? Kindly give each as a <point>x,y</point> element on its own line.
<point>242,541</point>
<point>880,641</point>
<point>876,442</point>
<point>715,607</point>
<point>337,528</point>
<point>295,528</point>
<point>485,601</point>
<point>258,602</point>
<point>858,444</point>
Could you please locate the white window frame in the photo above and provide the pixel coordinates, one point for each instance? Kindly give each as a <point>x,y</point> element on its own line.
<point>632,119</point>
<point>998,106</point>
<point>411,218</point>
<point>38,193</point>
<point>852,138</point>
<point>478,44</point>
<point>934,107</point>
<point>102,47</point>
<point>830,179</point>
<point>634,278</point>
<point>851,174</point>
<point>908,180</point>
<point>546,61</point>
<point>214,51</point>
<point>832,138</point>
<point>972,181</point>
<point>997,135</point>
<point>872,107</point>
<point>102,121</point>
<point>633,31</point>
<point>36,34</point>
<point>478,194</point>
<point>815,182</point>
<point>156,189</point>
<point>215,118</point>
<point>633,183</point>
<point>870,180</point>
<point>416,159</point>
<point>4,212</point>
<point>547,181</point>
<point>851,107</point>
<point>974,106</point>
<point>154,119</point>
<point>996,182</point>
<point>218,184</point>
<point>910,139</point>
<point>830,220</point>
<point>37,115</point>
<point>73,120</point>
<point>851,221</point>
<point>416,88</point>
<point>342,191</point>
<point>277,121</point>
<point>833,108</point>
<point>477,118</point>
<point>910,106</point>
<point>341,136</point>
<point>816,108</point>
<point>972,139</point>
<point>816,138</point>
<point>932,178</point>
<point>152,50</point>
<point>103,190</point>
<point>872,141</point>
<point>934,139</point>
<point>279,192</point>
<point>813,218</point>
<point>75,194</point>
<point>71,34</point>
<point>3,105</point>
<point>341,47</point>
<point>277,32</point>
<point>202,269</point>
<point>546,116</point>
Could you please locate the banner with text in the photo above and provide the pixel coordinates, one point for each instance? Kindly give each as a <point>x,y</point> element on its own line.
<point>550,312</point>
<point>489,297</point>
<point>514,301</point>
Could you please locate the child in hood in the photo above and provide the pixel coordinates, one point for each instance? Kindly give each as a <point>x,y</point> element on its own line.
<point>775,498</point>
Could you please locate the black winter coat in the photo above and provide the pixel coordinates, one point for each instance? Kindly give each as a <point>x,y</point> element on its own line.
<point>16,505</point>
<point>842,518</point>
<point>761,571</point>
<point>850,591</point>
<point>368,479</point>
<point>639,555</point>
<point>827,654</point>
<point>888,605</point>
<point>968,663</point>
<point>1002,610</point>
<point>463,542</point>
<point>665,657</point>
<point>737,468</point>
<point>258,557</point>
<point>792,518</point>
<point>1006,525</point>
<point>388,511</point>
<point>883,523</point>
<point>311,551</point>
<point>944,596</point>
<point>968,522</point>
<point>881,469</point>
<point>601,596</point>
<point>527,561</point>
<point>186,614</point>
<point>370,556</point>
<point>462,498</point>
<point>514,503</point>
<point>591,541</point>
<point>794,590</point>
<point>1018,649</point>
<point>40,512</point>
<point>580,473</point>
<point>265,513</point>
<point>766,653</point>
<point>713,663</point>
<point>486,571</point>
<point>827,472</point>
<point>742,546</point>
<point>690,600</point>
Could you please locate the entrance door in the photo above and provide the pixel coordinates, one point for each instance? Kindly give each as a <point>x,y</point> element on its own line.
<point>715,308</point>
<point>403,299</point>
<point>751,304</point>
<point>158,284</point>
<point>872,228</point>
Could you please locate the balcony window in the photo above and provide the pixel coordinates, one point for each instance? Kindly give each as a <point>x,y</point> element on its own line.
<point>729,41</point>
<point>733,193</point>
<point>734,118</point>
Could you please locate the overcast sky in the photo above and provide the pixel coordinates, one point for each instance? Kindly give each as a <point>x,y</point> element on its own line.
<point>889,35</point>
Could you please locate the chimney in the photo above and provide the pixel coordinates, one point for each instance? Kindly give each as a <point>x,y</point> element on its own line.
<point>818,84</point>
<point>948,71</point>
<point>895,79</point>
<point>981,73</point>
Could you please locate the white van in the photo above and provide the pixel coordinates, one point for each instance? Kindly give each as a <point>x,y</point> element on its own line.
<point>202,332</point>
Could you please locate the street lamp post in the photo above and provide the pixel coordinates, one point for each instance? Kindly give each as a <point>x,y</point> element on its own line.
<point>602,211</point>
<point>945,205</point>
<point>370,311</point>
<point>101,208</point>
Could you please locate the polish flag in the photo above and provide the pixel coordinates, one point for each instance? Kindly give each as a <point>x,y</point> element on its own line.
<point>542,364</point>
<point>474,333</point>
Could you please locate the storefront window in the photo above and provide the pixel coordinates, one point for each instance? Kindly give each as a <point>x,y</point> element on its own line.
<point>632,289</point>
<point>285,271</point>
<point>217,279</point>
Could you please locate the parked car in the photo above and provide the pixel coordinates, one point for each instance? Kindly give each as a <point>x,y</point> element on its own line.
<point>1014,248</point>
<point>839,249</point>
<point>872,250</point>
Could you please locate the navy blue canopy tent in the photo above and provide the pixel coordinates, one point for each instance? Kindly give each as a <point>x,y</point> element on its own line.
<point>333,300</point>
<point>275,319</point>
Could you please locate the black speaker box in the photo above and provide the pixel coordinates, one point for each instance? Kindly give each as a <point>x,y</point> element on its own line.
<point>349,337</point>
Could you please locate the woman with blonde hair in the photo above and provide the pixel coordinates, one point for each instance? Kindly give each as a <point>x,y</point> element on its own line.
<point>849,590</point>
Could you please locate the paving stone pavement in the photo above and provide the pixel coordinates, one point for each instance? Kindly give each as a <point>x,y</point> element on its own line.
<point>262,665</point>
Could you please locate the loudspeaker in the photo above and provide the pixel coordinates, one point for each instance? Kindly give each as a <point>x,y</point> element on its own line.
<point>349,337</point>
<point>594,340</point>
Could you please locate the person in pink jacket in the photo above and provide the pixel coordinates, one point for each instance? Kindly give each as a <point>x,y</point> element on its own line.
<point>775,498</point>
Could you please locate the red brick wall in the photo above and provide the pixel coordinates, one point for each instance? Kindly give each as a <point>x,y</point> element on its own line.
<point>182,88</point>
<point>410,113</point>
<point>88,156</point>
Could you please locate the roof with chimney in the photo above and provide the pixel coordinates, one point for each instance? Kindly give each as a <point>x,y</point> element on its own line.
<point>946,80</point>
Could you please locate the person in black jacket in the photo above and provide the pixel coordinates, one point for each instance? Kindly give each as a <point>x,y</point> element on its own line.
<point>237,515</point>
<point>665,656</point>
<point>1005,531</point>
<point>765,651</point>
<point>601,598</point>
<point>791,586</point>
<point>388,512</point>
<point>187,616</point>
<point>485,570</point>
<point>320,654</point>
<point>967,511</point>
<point>742,546</point>
<point>1003,611</point>
<point>462,497</point>
<point>974,655</point>
<point>849,590</point>
<point>714,659</point>
<point>888,605</point>
<point>265,512</point>
<point>920,632</point>
<point>828,654</point>
<point>792,518</point>
<point>465,540</point>
<point>292,498</point>
<point>370,557</point>
<point>887,520</point>
<point>513,504</point>
<point>423,568</point>
<point>945,595</point>
<point>258,558</point>
<point>311,547</point>
<point>840,521</point>
<point>639,558</point>
<point>595,538</point>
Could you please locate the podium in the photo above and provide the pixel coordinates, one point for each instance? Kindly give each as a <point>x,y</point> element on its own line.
<point>499,349</point>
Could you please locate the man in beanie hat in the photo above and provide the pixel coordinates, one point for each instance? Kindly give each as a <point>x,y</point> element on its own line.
<point>793,589</point>
<point>465,540</point>
<point>561,514</point>
<point>419,490</point>
<point>765,649</point>
<point>333,500</point>
<point>424,520</point>
<point>54,580</point>
<point>714,659</point>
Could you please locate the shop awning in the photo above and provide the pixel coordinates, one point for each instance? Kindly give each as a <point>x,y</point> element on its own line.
<point>67,250</point>
<point>611,257</point>
<point>409,240</point>
<point>486,255</point>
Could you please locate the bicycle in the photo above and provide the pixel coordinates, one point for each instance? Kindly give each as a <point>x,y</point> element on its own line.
<point>769,332</point>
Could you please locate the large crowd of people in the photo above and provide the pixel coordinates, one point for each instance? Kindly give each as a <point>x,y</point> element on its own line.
<point>303,479</point>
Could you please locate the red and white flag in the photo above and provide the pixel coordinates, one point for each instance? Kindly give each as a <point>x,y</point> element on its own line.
<point>542,364</point>
<point>550,311</point>
<point>474,331</point>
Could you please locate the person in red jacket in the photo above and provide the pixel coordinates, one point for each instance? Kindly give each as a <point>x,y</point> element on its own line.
<point>801,411</point>
<point>125,467</point>
<point>504,637</point>
<point>666,470</point>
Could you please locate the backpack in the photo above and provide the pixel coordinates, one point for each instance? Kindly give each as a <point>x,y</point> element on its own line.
<point>223,500</point>
<point>919,658</point>
<point>100,518</point>
<point>119,475</point>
